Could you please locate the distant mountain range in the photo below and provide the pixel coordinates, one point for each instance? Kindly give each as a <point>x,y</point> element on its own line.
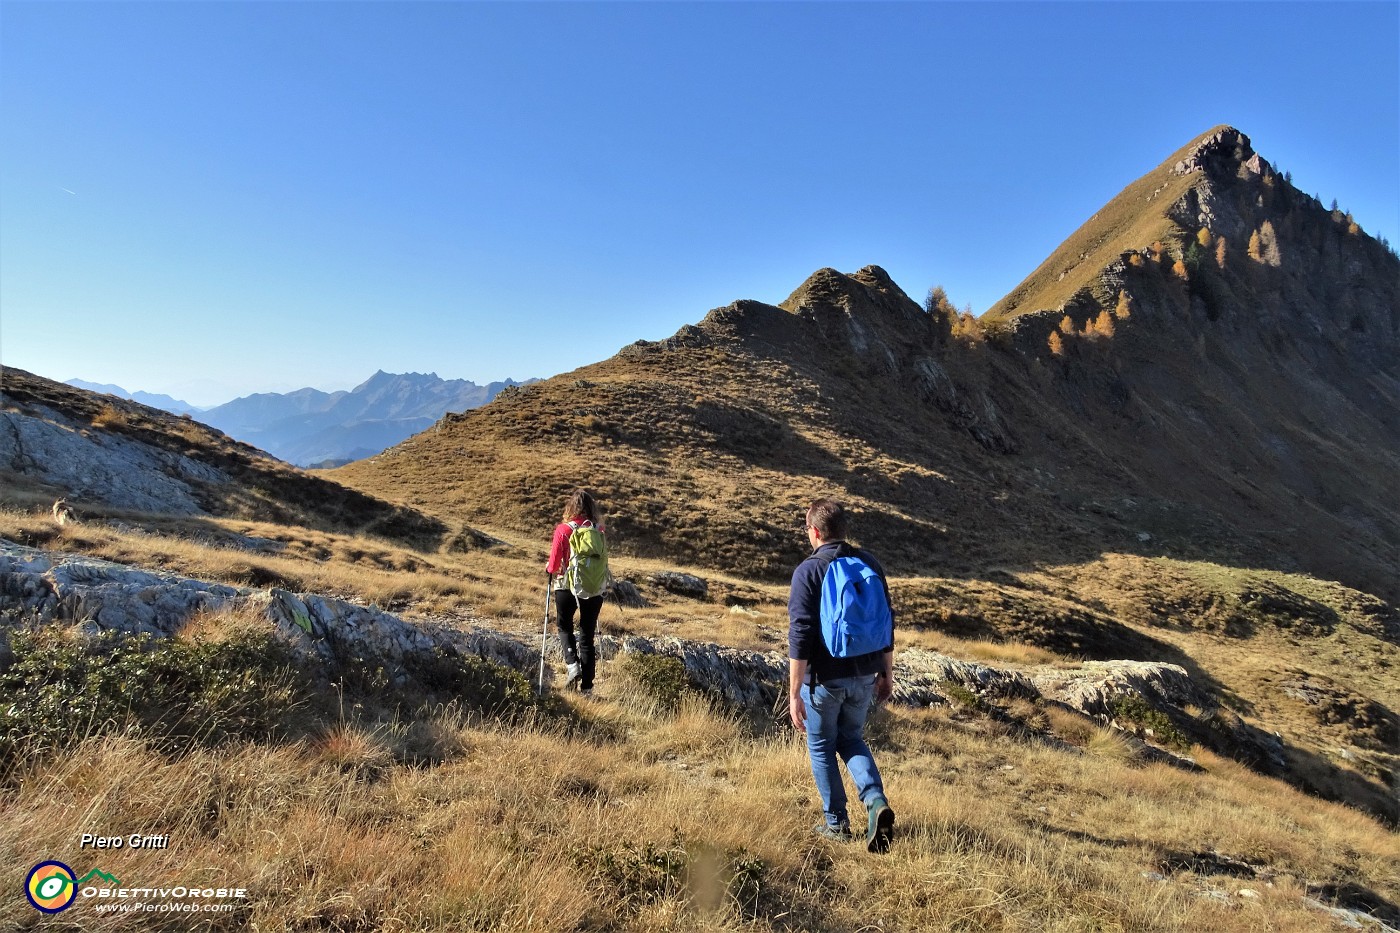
<point>309,427</point>
<point>164,402</point>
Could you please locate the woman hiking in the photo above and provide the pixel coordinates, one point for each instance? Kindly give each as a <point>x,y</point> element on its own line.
<point>578,573</point>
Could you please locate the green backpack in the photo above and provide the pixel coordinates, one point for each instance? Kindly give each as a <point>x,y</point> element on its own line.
<point>587,572</point>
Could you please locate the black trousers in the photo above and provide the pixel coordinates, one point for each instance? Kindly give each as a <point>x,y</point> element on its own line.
<point>578,649</point>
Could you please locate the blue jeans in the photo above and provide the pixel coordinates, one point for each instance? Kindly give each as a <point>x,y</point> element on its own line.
<point>836,712</point>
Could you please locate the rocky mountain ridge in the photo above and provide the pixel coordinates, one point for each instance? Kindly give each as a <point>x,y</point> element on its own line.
<point>309,427</point>
<point>1243,403</point>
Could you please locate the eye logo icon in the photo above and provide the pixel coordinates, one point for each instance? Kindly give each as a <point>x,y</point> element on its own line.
<point>50,887</point>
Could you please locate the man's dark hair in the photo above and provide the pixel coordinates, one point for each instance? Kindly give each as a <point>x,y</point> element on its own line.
<point>829,517</point>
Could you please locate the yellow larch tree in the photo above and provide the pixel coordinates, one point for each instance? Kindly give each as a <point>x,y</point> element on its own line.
<point>1103,325</point>
<point>1125,305</point>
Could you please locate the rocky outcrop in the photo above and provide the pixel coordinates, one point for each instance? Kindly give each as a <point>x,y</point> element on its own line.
<point>38,588</point>
<point>1093,687</point>
<point>971,410</point>
<point>757,681</point>
<point>681,584</point>
<point>101,466</point>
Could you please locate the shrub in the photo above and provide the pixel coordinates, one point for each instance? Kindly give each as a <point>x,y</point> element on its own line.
<point>61,686</point>
<point>1137,711</point>
<point>658,678</point>
<point>1057,346</point>
<point>478,684</point>
<point>110,416</point>
<point>960,695</point>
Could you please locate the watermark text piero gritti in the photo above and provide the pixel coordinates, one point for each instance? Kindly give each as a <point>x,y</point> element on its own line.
<point>134,841</point>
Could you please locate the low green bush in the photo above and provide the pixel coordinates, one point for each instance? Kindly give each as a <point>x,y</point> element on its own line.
<point>1137,711</point>
<point>659,678</point>
<point>478,684</point>
<point>60,686</point>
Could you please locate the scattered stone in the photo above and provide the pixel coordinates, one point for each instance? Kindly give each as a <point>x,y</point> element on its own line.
<point>625,592</point>
<point>681,584</point>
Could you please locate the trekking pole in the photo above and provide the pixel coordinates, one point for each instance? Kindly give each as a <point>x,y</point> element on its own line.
<point>544,635</point>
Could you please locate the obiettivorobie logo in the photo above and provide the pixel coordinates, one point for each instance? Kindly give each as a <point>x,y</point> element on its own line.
<point>51,887</point>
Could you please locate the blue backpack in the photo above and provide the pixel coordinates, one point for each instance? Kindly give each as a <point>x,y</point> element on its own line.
<point>855,614</point>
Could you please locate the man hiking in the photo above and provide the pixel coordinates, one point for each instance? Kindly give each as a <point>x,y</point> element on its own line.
<point>841,662</point>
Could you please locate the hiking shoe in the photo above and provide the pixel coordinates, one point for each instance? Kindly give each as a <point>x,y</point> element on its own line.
<point>881,828</point>
<point>586,692</point>
<point>841,832</point>
<point>575,672</point>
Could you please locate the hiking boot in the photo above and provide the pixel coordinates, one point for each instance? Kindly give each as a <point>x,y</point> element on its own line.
<point>841,832</point>
<point>881,828</point>
<point>586,693</point>
<point>575,672</point>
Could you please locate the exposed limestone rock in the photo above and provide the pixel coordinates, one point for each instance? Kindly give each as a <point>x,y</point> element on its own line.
<point>744,679</point>
<point>681,584</point>
<point>36,588</point>
<point>40,588</point>
<point>1219,152</point>
<point>919,676</point>
<point>973,411</point>
<point>100,465</point>
<point>625,593</point>
<point>1092,687</point>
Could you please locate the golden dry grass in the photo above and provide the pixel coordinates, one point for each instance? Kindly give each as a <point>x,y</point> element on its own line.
<point>639,818</point>
<point>687,823</point>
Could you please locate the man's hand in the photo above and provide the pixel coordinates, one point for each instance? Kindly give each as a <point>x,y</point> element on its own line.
<point>797,673</point>
<point>798,711</point>
<point>884,682</point>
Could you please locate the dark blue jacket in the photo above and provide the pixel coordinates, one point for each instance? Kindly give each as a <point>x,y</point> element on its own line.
<point>805,641</point>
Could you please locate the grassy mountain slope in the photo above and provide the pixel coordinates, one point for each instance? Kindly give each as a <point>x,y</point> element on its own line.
<point>1131,221</point>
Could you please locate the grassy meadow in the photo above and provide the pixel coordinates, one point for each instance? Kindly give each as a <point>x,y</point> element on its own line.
<point>357,808</point>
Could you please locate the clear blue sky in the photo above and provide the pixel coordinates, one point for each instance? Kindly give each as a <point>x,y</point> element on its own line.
<point>211,199</point>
